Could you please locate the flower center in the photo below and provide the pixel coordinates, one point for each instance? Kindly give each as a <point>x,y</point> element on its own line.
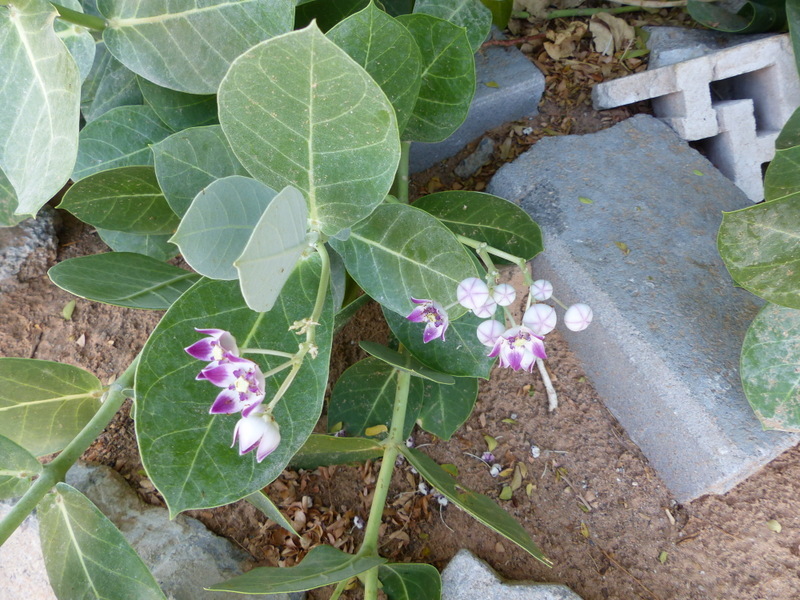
<point>217,353</point>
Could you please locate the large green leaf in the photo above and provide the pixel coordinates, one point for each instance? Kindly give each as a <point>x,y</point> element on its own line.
<point>188,45</point>
<point>299,111</point>
<point>263,503</point>
<point>364,397</point>
<point>190,160</point>
<point>110,84</point>
<point>389,54</point>
<point>215,230</point>
<point>754,16</point>
<point>124,199</point>
<point>782,180</point>
<point>155,246</point>
<point>327,13</point>
<point>322,450</point>
<point>177,109</point>
<point>448,78</point>
<point>769,367</point>
<point>322,566</point>
<point>44,404</point>
<point>472,15</point>
<point>410,581</point>
<point>459,354</point>
<point>486,218</point>
<point>123,279</point>
<point>276,244</point>
<point>77,39</point>
<point>480,507</point>
<point>761,249</point>
<point>86,556</point>
<point>790,134</point>
<point>18,469</point>
<point>8,203</point>
<point>445,408</point>
<point>405,362</point>
<point>119,138</point>
<point>400,252</point>
<point>40,100</point>
<point>187,452</point>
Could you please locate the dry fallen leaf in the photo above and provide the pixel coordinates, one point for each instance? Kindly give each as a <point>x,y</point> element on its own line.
<point>610,33</point>
<point>564,43</point>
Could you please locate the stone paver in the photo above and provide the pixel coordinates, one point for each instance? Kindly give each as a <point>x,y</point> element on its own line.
<point>468,578</point>
<point>663,350</point>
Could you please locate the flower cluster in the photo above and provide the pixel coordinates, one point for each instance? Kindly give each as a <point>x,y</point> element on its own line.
<point>243,390</point>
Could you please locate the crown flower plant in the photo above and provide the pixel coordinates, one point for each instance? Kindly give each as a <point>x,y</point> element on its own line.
<point>274,159</point>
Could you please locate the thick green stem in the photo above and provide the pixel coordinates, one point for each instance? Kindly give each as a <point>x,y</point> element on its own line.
<point>55,471</point>
<point>79,18</point>
<point>400,185</point>
<point>369,547</point>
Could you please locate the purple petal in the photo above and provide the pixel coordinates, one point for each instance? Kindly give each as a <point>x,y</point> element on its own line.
<point>202,349</point>
<point>221,375</point>
<point>226,403</point>
<point>417,315</point>
<point>515,359</point>
<point>252,403</point>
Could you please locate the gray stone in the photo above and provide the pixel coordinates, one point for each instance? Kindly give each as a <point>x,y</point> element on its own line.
<point>22,572</point>
<point>671,45</point>
<point>663,350</point>
<point>182,554</point>
<point>468,578</point>
<point>27,248</point>
<point>482,155</point>
<point>514,90</point>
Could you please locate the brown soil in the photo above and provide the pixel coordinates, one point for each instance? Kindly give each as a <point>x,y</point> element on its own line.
<point>589,499</point>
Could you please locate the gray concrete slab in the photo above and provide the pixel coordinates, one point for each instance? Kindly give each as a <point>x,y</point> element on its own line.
<point>509,87</point>
<point>640,249</point>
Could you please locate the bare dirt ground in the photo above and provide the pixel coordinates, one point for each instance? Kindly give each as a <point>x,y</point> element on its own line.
<point>589,498</point>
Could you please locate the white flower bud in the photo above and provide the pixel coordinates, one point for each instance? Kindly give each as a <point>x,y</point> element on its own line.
<point>472,293</point>
<point>504,294</point>
<point>578,317</point>
<point>489,331</point>
<point>541,289</point>
<point>486,310</point>
<point>540,319</point>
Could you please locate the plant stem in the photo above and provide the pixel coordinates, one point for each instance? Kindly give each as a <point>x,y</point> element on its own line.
<point>400,186</point>
<point>57,469</point>
<point>79,18</point>
<point>369,547</point>
<point>484,247</point>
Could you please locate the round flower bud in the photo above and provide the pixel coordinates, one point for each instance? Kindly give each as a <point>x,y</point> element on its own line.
<point>489,331</point>
<point>541,289</point>
<point>540,318</point>
<point>578,317</point>
<point>486,310</point>
<point>504,294</point>
<point>472,293</point>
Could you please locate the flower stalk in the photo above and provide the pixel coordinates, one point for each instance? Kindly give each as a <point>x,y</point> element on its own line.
<point>79,18</point>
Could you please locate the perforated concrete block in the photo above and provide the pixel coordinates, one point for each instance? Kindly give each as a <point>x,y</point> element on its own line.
<point>734,102</point>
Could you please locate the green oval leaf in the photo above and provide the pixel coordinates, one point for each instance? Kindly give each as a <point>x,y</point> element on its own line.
<point>110,84</point>
<point>215,230</point>
<point>327,13</point>
<point>400,252</point>
<point>39,119</point>
<point>186,45</point>
<point>782,179</point>
<point>404,362</point>
<point>481,507</point>
<point>299,111</point>
<point>770,355</point>
<point>187,452</point>
<point>190,160</point>
<point>752,17</point>
<point>322,566</point>
<point>77,39</point>
<point>44,404</point>
<point>119,138</point>
<point>410,581</point>
<point>276,244</point>
<point>761,249</point>
<point>448,78</point>
<point>263,503</point>
<point>18,469</point>
<point>472,15</point>
<point>459,354</point>
<point>321,450</point>
<point>445,408</point>
<point>125,199</point>
<point>364,397</point>
<point>86,556</point>
<point>154,246</point>
<point>389,54</point>
<point>486,218</point>
<point>178,110</point>
<point>123,279</point>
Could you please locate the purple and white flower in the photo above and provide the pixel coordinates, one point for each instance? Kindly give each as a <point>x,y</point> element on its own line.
<point>214,347</point>
<point>541,290</point>
<point>504,294</point>
<point>242,382</point>
<point>257,431</point>
<point>578,317</point>
<point>472,293</point>
<point>433,315</point>
<point>518,348</point>
<point>540,319</point>
<point>489,331</point>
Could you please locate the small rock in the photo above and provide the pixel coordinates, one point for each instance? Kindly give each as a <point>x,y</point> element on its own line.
<point>482,155</point>
<point>28,248</point>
